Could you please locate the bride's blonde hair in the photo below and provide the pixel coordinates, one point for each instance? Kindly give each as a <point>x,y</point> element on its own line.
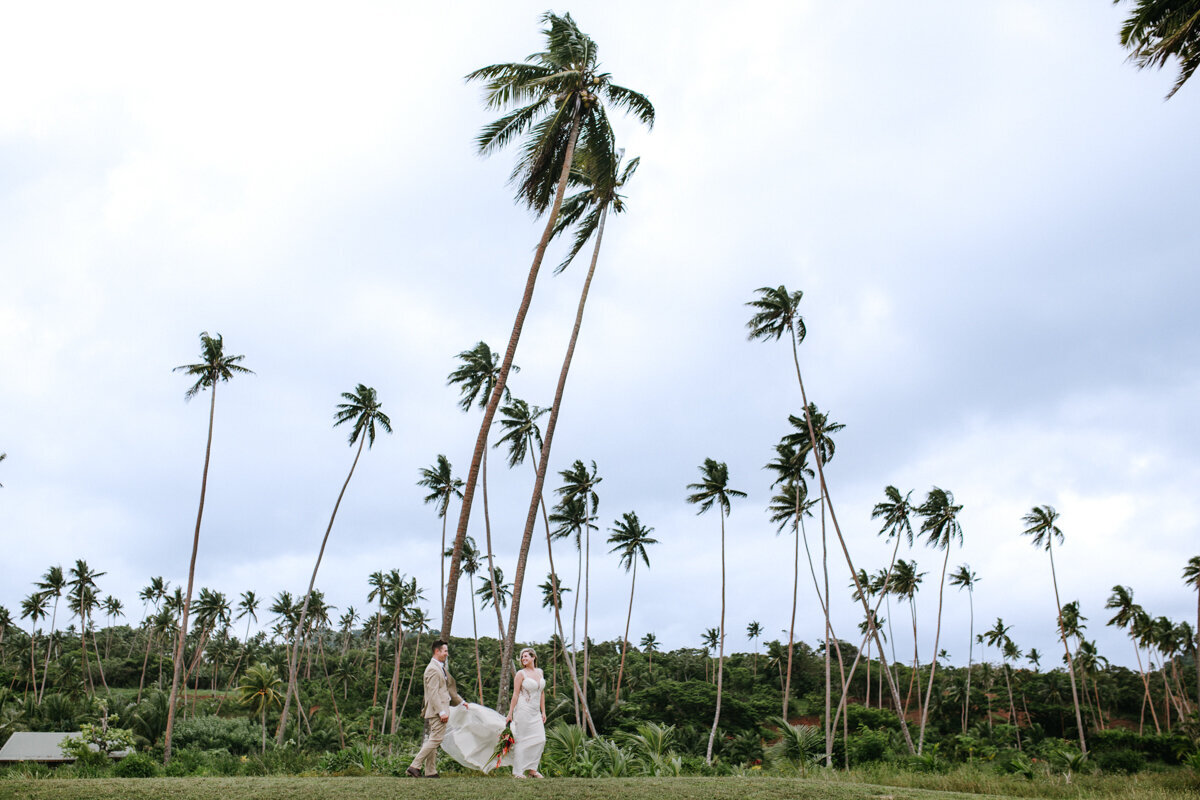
<point>531,652</point>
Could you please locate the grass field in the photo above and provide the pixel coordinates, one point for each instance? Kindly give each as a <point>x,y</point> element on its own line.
<point>474,788</point>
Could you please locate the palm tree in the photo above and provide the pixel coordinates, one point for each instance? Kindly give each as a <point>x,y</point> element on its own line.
<point>791,505</point>
<point>377,582</point>
<point>713,489</point>
<point>1158,30</point>
<point>52,584</point>
<point>896,512</point>
<point>649,645</point>
<point>33,608</point>
<point>494,590</point>
<point>557,97</point>
<point>905,582</point>
<point>112,608</point>
<point>998,638</point>
<point>1131,615</point>
<point>1191,577</point>
<point>711,638</point>
<point>477,377</point>
<point>753,631</point>
<point>259,691</point>
<point>777,311</point>
<point>522,434</point>
<point>470,566</point>
<point>552,592</point>
<point>247,608</point>
<point>1042,524</point>
<point>442,486</point>
<point>362,407</point>
<point>578,494</point>
<point>600,175</point>
<point>964,578</point>
<point>630,538</point>
<point>83,599</point>
<point>940,526</point>
<point>214,367</point>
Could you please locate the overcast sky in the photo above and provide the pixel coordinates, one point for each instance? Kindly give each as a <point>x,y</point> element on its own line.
<point>991,215</point>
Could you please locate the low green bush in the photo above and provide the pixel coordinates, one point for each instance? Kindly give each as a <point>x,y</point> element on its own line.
<point>235,736</point>
<point>136,765</point>
<point>1127,762</point>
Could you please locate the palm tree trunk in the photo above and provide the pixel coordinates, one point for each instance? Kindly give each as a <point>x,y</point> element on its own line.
<point>1070,661</point>
<point>187,597</point>
<point>970,655</point>
<point>478,667</point>
<point>33,660</point>
<point>787,684</point>
<point>828,673</point>
<point>543,461</point>
<point>1012,706</point>
<point>862,595</point>
<point>712,734</point>
<point>299,632</point>
<point>487,527</point>
<point>625,641</point>
<point>99,663</point>
<point>412,673</point>
<point>502,380</point>
<point>375,691</point>
<point>933,664</point>
<point>575,612</point>
<point>442,556</point>
<point>49,647</point>
<point>570,660</point>
<point>395,688</point>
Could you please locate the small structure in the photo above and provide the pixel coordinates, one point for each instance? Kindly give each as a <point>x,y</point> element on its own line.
<point>44,748</point>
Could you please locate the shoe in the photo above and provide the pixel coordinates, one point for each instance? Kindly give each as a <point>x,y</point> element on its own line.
<point>413,772</point>
<point>434,775</point>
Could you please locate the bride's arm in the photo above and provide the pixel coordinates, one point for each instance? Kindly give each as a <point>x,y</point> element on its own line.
<point>512,706</point>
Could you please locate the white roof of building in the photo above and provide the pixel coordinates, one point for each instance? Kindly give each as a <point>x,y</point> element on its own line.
<point>39,746</point>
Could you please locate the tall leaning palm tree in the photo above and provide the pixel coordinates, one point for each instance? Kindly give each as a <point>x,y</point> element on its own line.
<point>363,409</point>
<point>1158,30</point>
<point>213,368</point>
<point>600,175</point>
<point>630,538</point>
<point>940,527</point>
<point>1191,577</point>
<point>776,312</point>
<point>555,98</point>
<point>443,487</point>
<point>1042,524</point>
<point>713,489</point>
<point>52,584</point>
<point>964,578</point>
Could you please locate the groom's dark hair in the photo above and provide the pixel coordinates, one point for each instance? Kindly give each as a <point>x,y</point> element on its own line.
<point>439,644</point>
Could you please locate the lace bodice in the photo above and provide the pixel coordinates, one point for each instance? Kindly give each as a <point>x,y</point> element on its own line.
<point>531,689</point>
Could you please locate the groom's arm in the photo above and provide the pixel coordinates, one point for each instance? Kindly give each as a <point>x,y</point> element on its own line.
<point>435,691</point>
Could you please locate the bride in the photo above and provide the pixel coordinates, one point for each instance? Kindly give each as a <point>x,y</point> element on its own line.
<point>472,732</point>
<point>527,713</point>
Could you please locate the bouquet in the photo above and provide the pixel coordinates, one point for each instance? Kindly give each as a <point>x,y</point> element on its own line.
<point>503,744</point>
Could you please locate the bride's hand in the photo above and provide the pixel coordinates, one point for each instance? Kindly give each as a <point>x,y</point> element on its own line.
<point>543,717</point>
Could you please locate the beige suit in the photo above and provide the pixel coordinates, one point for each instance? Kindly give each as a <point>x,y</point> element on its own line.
<point>440,693</point>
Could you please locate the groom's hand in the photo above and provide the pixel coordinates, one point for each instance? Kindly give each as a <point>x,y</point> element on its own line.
<point>444,716</point>
<point>465,704</point>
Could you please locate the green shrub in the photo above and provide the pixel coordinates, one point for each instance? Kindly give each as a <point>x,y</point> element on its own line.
<point>235,736</point>
<point>868,745</point>
<point>136,765</point>
<point>1013,762</point>
<point>1127,762</point>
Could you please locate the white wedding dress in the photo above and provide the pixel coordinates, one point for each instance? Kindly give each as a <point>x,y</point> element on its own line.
<point>527,727</point>
<point>471,736</point>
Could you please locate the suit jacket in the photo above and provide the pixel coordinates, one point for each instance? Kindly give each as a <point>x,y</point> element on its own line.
<point>440,690</point>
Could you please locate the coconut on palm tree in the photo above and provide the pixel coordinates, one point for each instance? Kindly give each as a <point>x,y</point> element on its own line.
<point>713,489</point>
<point>630,538</point>
<point>557,97</point>
<point>213,368</point>
<point>1042,524</point>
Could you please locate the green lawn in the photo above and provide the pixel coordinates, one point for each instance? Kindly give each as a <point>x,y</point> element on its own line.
<point>474,788</point>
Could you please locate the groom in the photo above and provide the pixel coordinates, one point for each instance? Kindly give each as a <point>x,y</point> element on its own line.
<point>440,693</point>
